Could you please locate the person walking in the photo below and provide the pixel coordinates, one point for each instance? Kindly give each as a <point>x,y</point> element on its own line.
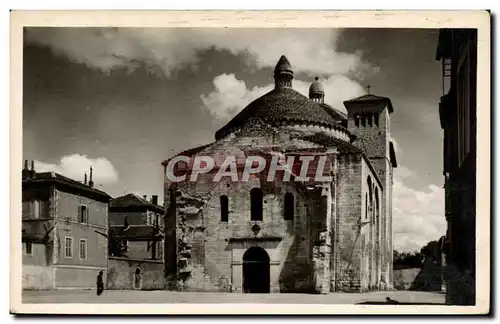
<point>100,284</point>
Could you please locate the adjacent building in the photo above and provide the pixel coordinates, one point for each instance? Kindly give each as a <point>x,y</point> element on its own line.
<point>287,233</point>
<point>60,217</point>
<point>457,50</point>
<point>136,243</point>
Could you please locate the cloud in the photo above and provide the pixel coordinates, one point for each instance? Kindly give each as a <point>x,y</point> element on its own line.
<point>75,165</point>
<point>418,215</point>
<point>231,95</point>
<point>166,50</point>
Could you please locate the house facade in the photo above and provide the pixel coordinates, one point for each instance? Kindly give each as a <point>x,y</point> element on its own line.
<point>60,217</point>
<point>457,51</point>
<point>136,243</point>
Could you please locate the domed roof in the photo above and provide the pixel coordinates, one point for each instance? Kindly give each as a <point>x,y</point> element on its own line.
<point>316,88</point>
<point>280,105</point>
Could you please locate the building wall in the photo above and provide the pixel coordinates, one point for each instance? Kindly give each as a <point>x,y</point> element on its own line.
<point>133,218</point>
<point>121,274</point>
<point>297,260</point>
<point>216,258</point>
<point>458,119</point>
<point>74,271</point>
<point>139,250</point>
<point>355,245</point>
<point>37,271</point>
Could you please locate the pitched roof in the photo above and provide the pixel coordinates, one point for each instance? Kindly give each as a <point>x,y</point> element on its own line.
<point>278,105</point>
<point>372,99</point>
<point>53,177</point>
<point>132,200</point>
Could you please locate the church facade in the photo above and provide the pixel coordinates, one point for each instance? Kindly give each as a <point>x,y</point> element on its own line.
<point>315,218</point>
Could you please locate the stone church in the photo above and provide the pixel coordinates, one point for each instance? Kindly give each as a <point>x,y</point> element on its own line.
<point>283,232</point>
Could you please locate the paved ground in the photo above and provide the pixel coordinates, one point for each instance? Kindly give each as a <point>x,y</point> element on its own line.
<point>154,297</point>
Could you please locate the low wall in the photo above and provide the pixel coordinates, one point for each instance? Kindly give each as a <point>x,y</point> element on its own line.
<point>37,277</point>
<point>404,278</point>
<point>77,278</point>
<point>121,274</point>
<point>428,278</point>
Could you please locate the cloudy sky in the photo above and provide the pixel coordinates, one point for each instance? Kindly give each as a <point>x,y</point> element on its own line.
<point>126,99</point>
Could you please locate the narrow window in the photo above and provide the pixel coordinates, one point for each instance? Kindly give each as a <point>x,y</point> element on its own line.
<point>289,206</point>
<point>29,248</point>
<point>83,214</point>
<point>256,204</point>
<point>356,120</point>
<point>83,249</point>
<point>35,212</point>
<point>224,208</point>
<point>370,120</point>
<point>366,206</point>
<point>377,115</point>
<point>68,247</point>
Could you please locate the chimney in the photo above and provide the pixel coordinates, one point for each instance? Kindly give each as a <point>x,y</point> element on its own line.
<point>91,182</point>
<point>32,171</point>
<point>145,197</point>
<point>154,199</point>
<point>85,179</point>
<point>26,172</point>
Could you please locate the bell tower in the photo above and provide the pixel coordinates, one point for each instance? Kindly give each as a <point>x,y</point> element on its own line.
<point>369,120</point>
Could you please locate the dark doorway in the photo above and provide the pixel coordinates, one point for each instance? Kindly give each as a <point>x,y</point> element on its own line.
<point>256,271</point>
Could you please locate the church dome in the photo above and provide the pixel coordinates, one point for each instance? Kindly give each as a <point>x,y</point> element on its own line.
<point>278,106</point>
<point>316,88</point>
<point>284,105</point>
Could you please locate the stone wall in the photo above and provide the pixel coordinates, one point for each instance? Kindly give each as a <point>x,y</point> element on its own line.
<point>121,274</point>
<point>201,249</point>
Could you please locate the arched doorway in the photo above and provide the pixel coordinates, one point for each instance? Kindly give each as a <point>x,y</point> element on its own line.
<point>137,278</point>
<point>256,269</point>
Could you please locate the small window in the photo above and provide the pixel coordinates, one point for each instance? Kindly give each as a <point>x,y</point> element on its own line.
<point>224,208</point>
<point>83,214</point>
<point>29,248</point>
<point>289,209</point>
<point>83,249</point>
<point>370,120</point>
<point>68,247</point>
<point>256,204</point>
<point>363,120</point>
<point>376,118</point>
